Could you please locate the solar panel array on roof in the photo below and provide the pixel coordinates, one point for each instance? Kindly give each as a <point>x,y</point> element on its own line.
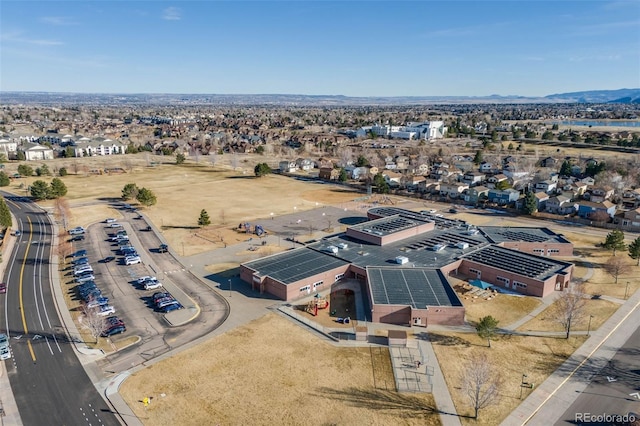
<point>448,238</point>
<point>520,263</point>
<point>418,288</point>
<point>295,265</point>
<point>522,236</point>
<point>389,226</point>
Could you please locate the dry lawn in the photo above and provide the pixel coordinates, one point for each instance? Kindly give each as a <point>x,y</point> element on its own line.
<point>273,372</point>
<point>512,356</point>
<point>600,309</point>
<point>506,309</point>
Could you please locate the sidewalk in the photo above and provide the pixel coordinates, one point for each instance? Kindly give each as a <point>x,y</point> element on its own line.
<point>549,401</point>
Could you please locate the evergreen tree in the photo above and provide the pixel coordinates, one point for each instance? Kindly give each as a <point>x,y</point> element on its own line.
<point>25,170</point>
<point>634,250</point>
<point>530,205</point>
<point>261,169</point>
<point>343,177</point>
<point>146,197</point>
<point>477,159</point>
<point>63,171</point>
<point>40,190</point>
<point>487,327</point>
<point>565,169</point>
<point>5,214</point>
<point>204,218</point>
<point>614,241</point>
<point>58,188</point>
<point>382,187</point>
<point>130,191</point>
<point>180,158</point>
<point>4,179</point>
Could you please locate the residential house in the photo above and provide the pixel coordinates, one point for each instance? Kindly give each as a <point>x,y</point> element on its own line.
<point>429,187</point>
<point>586,209</point>
<point>589,181</point>
<point>412,183</point>
<point>541,200</point>
<point>402,162</point>
<point>631,218</point>
<point>394,179</point>
<point>440,171</point>
<point>329,173</point>
<point>452,190</point>
<point>389,163</point>
<point>8,147</point>
<point>504,197</point>
<point>287,166</point>
<point>422,169</point>
<point>473,178</point>
<point>486,167</point>
<point>547,186</point>
<point>493,181</point>
<point>600,194</point>
<point>548,162</point>
<point>560,204</point>
<point>304,164</point>
<point>476,194</point>
<point>36,152</point>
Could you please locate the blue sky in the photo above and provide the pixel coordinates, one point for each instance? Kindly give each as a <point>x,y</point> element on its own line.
<point>352,48</point>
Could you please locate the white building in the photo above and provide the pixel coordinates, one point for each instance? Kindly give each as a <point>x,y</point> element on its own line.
<point>86,147</point>
<point>427,130</point>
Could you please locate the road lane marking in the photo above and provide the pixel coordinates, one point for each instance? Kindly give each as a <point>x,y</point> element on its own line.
<point>24,319</point>
<point>581,363</point>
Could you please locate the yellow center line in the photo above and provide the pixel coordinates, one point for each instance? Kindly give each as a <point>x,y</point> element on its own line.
<point>24,262</point>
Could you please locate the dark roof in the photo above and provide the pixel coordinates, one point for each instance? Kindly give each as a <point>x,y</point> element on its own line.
<point>500,234</point>
<point>527,265</point>
<point>294,265</point>
<point>417,288</point>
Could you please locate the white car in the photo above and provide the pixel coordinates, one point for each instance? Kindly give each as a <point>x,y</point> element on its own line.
<point>106,310</point>
<point>132,260</point>
<point>152,284</point>
<point>115,225</point>
<point>5,353</point>
<point>4,341</point>
<point>110,220</point>
<point>142,280</point>
<point>433,211</point>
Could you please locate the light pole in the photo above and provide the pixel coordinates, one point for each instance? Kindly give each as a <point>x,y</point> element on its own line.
<point>589,326</point>
<point>522,384</point>
<point>229,287</point>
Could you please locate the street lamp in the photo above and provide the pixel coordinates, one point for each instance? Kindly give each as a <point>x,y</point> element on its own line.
<point>589,326</point>
<point>229,287</point>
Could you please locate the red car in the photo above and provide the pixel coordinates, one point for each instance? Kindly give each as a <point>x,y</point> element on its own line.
<point>3,288</point>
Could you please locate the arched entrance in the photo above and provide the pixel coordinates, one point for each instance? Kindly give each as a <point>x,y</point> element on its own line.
<point>346,300</point>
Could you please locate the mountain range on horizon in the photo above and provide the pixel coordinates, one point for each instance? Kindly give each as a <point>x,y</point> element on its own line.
<point>622,96</point>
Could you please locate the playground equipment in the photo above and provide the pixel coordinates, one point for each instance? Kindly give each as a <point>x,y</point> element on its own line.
<point>259,230</point>
<point>317,303</point>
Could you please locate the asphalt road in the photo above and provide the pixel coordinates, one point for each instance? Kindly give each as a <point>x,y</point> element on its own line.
<point>49,383</point>
<point>614,390</point>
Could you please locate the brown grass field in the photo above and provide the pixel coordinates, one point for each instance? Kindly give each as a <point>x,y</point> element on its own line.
<point>287,377</point>
<point>513,356</point>
<point>307,381</point>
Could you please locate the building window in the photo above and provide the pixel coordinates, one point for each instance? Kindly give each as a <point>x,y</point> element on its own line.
<point>305,288</point>
<point>538,251</point>
<point>503,280</point>
<point>473,271</point>
<point>519,284</point>
<point>316,285</point>
<point>550,251</point>
<point>339,277</point>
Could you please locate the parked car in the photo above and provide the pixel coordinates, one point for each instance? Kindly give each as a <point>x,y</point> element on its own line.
<point>171,307</point>
<point>132,260</point>
<point>163,248</point>
<point>164,302</point>
<point>128,251</point>
<point>106,310</point>
<point>113,320</point>
<point>110,220</point>
<point>82,269</point>
<point>115,225</point>
<point>152,285</point>
<point>160,295</point>
<point>84,278</point>
<point>99,301</point>
<point>17,233</point>
<point>76,231</point>
<point>3,288</point>
<point>79,253</point>
<point>92,295</point>
<point>113,330</point>
<point>145,278</point>
<point>108,259</point>
<point>81,261</point>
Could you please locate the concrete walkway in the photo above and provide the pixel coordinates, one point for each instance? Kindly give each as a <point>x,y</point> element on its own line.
<point>546,404</point>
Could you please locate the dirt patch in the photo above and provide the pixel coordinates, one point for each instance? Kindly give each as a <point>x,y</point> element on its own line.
<point>224,381</point>
<point>513,356</point>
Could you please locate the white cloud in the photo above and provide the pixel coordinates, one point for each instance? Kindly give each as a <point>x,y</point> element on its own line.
<point>61,21</point>
<point>172,14</point>
<point>17,37</point>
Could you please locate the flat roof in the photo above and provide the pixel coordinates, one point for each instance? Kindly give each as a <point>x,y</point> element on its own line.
<point>294,265</point>
<point>431,249</point>
<point>500,234</point>
<point>418,288</point>
<point>387,225</point>
<point>524,264</point>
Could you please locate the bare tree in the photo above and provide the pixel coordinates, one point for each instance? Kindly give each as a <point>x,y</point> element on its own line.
<point>480,382</point>
<point>235,161</point>
<point>569,307</point>
<point>92,321</point>
<point>617,266</point>
<point>213,157</point>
